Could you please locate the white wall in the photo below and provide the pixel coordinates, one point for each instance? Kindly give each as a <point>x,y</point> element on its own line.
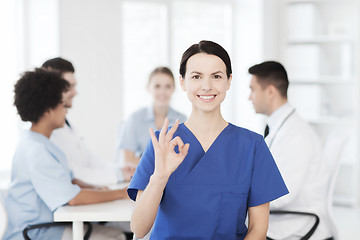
<point>248,46</point>
<point>8,63</point>
<point>90,37</point>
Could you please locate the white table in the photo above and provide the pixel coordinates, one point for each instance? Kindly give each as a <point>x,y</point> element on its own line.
<point>114,211</point>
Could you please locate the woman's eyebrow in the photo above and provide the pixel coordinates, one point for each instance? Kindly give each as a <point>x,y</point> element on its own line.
<point>217,72</point>
<point>196,72</point>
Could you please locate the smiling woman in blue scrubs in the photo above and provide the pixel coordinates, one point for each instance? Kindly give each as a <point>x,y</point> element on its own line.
<point>199,180</point>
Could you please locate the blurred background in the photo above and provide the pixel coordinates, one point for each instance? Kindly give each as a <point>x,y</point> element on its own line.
<point>114,44</point>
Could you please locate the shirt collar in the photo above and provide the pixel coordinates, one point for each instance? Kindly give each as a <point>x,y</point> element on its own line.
<point>276,117</point>
<point>42,139</point>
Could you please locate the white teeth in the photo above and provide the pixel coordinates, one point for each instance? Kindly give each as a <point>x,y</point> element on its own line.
<point>207,97</point>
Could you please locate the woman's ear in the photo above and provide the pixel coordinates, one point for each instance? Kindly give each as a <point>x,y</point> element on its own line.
<point>229,82</point>
<point>47,113</point>
<point>182,83</point>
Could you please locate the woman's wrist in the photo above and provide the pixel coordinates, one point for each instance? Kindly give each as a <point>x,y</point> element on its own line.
<point>159,179</point>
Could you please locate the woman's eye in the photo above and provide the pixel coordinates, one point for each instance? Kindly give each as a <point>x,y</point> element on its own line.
<point>217,76</point>
<point>196,77</point>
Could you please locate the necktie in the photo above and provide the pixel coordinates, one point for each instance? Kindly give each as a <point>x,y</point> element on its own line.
<point>266,132</point>
<point>67,123</point>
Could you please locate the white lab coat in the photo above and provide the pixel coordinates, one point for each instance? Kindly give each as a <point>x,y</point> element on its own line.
<point>297,152</point>
<point>85,165</point>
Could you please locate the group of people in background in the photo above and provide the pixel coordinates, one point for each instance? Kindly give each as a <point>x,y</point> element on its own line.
<point>192,178</point>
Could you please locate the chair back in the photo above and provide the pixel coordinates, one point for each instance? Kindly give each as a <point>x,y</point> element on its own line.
<point>333,149</point>
<point>3,215</point>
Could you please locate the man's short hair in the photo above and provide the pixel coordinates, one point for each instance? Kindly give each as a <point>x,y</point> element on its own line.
<point>59,64</point>
<point>271,73</point>
<point>37,92</point>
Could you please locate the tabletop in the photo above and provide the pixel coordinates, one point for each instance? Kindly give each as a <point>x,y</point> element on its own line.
<point>118,210</point>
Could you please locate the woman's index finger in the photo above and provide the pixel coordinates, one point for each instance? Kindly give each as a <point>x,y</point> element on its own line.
<point>153,137</point>
<point>164,128</point>
<point>172,130</point>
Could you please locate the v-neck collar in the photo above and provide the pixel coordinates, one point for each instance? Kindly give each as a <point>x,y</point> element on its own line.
<point>189,132</point>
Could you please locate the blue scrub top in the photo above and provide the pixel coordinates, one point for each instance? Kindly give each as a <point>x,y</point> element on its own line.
<point>208,195</point>
<point>40,183</point>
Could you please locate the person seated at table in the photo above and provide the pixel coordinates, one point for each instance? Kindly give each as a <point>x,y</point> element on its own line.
<point>85,165</point>
<point>134,134</point>
<point>41,180</point>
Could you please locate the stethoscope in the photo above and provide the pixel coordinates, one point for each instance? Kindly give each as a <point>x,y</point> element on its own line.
<point>278,129</point>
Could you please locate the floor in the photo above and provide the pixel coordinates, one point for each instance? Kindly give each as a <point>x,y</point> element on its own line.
<point>348,222</point>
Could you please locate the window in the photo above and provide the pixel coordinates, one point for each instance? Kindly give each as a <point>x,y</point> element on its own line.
<point>158,32</point>
<point>24,45</point>
<point>8,127</point>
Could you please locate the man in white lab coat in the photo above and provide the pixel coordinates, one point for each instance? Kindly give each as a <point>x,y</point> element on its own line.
<point>83,162</point>
<point>296,150</point>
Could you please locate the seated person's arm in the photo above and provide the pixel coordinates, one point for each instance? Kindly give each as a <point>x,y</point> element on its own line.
<point>258,222</point>
<point>130,158</point>
<point>127,172</point>
<point>90,196</point>
<point>128,143</point>
<point>83,185</point>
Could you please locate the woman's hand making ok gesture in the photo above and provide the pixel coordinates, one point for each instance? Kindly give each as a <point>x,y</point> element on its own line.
<point>166,159</point>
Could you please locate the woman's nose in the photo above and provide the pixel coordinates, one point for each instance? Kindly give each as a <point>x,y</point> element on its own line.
<point>206,84</point>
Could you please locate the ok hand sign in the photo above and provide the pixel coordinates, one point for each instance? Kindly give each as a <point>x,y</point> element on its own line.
<point>166,159</point>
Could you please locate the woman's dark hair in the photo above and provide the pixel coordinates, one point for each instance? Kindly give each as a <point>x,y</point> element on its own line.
<point>207,47</point>
<point>38,91</point>
<point>163,70</point>
<point>271,73</point>
<point>59,64</point>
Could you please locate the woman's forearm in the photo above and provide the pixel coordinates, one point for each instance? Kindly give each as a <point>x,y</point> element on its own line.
<point>90,196</point>
<point>147,205</point>
<point>258,222</point>
<point>83,184</point>
<point>253,234</point>
<point>166,162</point>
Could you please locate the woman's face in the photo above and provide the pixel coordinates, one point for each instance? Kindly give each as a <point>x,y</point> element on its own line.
<point>58,114</point>
<point>161,87</point>
<point>205,81</point>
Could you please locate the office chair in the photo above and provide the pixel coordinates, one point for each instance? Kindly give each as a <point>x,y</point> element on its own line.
<point>4,222</point>
<point>312,229</point>
<point>333,149</point>
<point>55,224</point>
<point>334,146</point>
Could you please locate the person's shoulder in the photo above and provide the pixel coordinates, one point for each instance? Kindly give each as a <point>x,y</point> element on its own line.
<point>140,111</point>
<point>245,133</point>
<point>30,145</point>
<point>33,139</point>
<point>177,115</point>
<point>138,114</point>
<point>298,125</point>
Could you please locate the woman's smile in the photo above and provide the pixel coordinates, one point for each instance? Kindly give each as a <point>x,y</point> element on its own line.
<point>207,98</point>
